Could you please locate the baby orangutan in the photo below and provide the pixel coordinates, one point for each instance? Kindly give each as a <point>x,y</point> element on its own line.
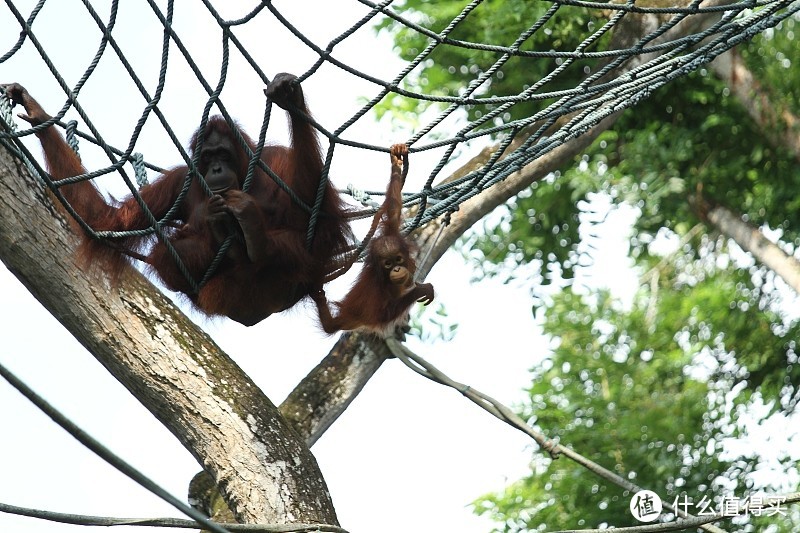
<point>385,288</point>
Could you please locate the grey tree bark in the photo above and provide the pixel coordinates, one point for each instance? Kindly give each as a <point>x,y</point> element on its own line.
<point>752,240</point>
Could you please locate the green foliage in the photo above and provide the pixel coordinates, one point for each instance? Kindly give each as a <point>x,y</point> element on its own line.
<point>695,138</point>
<point>655,158</point>
<point>775,56</point>
<point>449,70</point>
<point>539,225</point>
<point>652,390</point>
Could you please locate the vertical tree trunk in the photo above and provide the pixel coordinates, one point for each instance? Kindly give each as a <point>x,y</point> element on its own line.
<point>752,240</point>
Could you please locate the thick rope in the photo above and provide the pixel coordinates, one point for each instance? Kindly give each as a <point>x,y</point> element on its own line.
<point>594,98</point>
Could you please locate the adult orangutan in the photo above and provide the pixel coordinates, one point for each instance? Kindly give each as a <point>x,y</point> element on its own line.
<point>385,288</point>
<point>268,267</point>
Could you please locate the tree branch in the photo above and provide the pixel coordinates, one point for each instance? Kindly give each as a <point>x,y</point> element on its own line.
<point>322,396</point>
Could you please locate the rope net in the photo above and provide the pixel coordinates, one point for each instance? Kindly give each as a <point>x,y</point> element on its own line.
<point>132,73</point>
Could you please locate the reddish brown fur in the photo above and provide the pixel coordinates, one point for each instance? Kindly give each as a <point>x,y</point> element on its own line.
<point>375,301</point>
<point>243,289</point>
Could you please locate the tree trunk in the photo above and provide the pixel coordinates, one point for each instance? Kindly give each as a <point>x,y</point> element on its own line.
<point>750,239</point>
<point>317,401</point>
<point>264,468</point>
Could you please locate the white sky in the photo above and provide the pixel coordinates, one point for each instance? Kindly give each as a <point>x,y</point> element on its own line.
<point>408,455</point>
